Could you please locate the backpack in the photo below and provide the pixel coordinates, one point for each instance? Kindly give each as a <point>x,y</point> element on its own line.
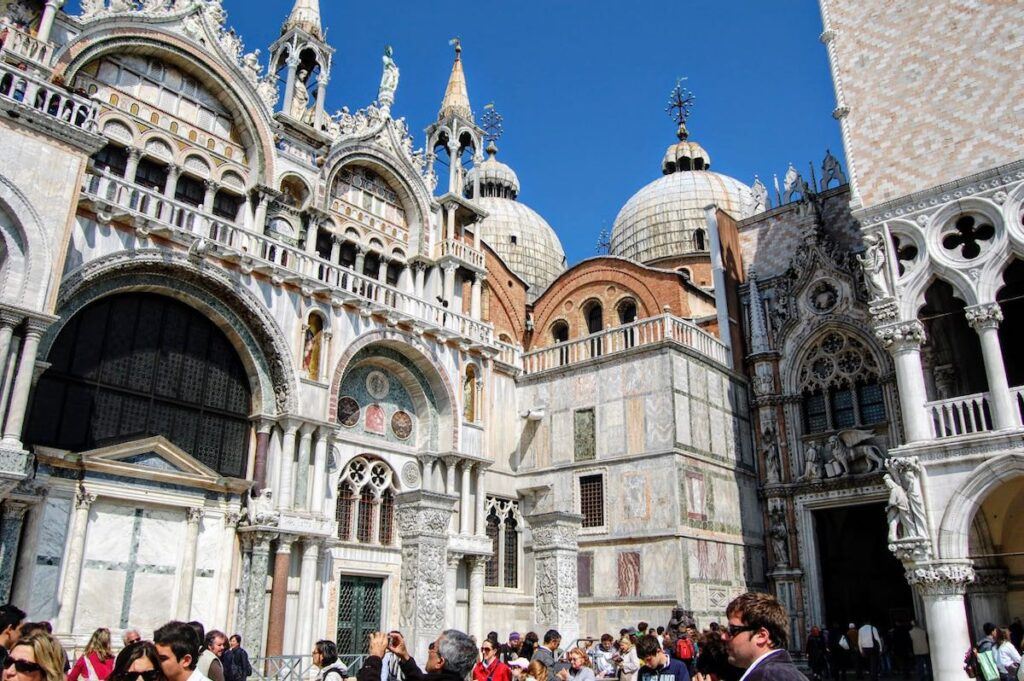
<point>685,650</point>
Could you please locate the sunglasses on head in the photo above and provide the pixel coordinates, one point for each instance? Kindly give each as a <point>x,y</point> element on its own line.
<point>23,666</point>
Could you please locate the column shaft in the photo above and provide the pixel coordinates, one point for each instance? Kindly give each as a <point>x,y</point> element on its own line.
<point>910,379</point>
<point>1004,409</point>
<point>476,597</point>
<point>187,578</point>
<point>10,536</point>
<point>307,595</point>
<point>278,598</point>
<point>22,385</point>
<point>73,561</point>
<point>474,301</point>
<point>948,635</point>
<point>320,472</point>
<point>451,580</point>
<point>46,20</point>
<point>260,460</point>
<point>256,593</point>
<point>302,468</point>
<point>465,527</point>
<point>481,500</point>
<point>284,474</point>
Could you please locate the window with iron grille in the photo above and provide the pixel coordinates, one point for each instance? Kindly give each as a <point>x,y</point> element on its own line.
<point>491,566</point>
<point>585,573</point>
<point>842,408</point>
<point>343,513</point>
<point>511,554</point>
<point>138,365</point>
<point>387,516</point>
<point>872,403</point>
<point>364,528</point>
<point>815,420</point>
<point>592,500</point>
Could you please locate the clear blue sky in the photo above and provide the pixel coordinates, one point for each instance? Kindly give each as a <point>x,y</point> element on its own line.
<point>583,86</point>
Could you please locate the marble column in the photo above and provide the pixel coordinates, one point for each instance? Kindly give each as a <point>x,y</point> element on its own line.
<point>284,472</point>
<point>475,294</point>
<point>256,591</point>
<point>260,460</point>
<point>10,537</point>
<point>476,566</point>
<point>449,284</point>
<point>465,503</point>
<point>131,168</point>
<point>279,597</point>
<point>307,593</point>
<point>382,269</point>
<point>245,541</point>
<point>985,319</point>
<point>320,470</point>
<point>450,462</point>
<point>423,519</point>
<point>321,94</point>
<point>8,321</point>
<point>903,340</point>
<point>420,276</point>
<point>336,249</point>
<point>360,259</point>
<point>187,577</point>
<point>50,8</point>
<point>211,193</point>
<point>302,468</point>
<point>73,561</point>
<point>312,231</point>
<point>171,185</point>
<point>22,386</point>
<point>941,587</point>
<point>225,571</point>
<point>451,582</point>
<point>556,595</point>
<point>259,220</point>
<point>480,524</point>
<point>289,83</point>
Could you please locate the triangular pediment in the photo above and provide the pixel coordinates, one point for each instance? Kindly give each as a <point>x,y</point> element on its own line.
<point>155,459</point>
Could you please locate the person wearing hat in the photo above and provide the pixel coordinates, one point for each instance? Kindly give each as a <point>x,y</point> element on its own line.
<point>511,651</point>
<point>518,668</point>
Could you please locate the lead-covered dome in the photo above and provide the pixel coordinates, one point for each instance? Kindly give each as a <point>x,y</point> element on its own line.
<point>666,218</point>
<point>521,237</point>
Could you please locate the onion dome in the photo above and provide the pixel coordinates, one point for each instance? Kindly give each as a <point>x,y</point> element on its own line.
<point>522,238</point>
<point>666,218</point>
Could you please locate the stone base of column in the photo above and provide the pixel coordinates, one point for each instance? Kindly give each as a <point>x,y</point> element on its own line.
<point>423,520</point>
<point>555,551</point>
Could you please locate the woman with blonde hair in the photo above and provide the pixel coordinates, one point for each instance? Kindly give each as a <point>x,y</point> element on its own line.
<point>628,662</point>
<point>579,667</point>
<point>537,671</point>
<point>34,658</point>
<point>97,661</point>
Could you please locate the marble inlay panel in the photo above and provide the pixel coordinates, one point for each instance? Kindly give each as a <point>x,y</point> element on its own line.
<point>659,417</point>
<point>718,426</point>
<point>680,373</point>
<point>49,552</point>
<point>682,419</point>
<point>701,424</point>
<point>561,437</point>
<point>636,496</point>
<point>635,435</point>
<point>611,440</point>
<point>698,381</point>
<point>715,389</point>
<point>610,383</point>
<point>628,570</point>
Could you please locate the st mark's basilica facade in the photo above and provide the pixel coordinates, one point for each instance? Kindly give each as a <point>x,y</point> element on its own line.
<point>298,375</point>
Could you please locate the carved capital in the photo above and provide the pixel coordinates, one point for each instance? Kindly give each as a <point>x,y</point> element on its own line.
<point>194,514</point>
<point>984,316</point>
<point>454,559</point>
<point>940,580</point>
<point>231,519</point>
<point>84,498</point>
<point>901,336</point>
<point>9,318</point>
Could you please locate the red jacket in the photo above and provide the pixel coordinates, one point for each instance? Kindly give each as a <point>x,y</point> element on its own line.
<point>102,668</point>
<point>498,671</point>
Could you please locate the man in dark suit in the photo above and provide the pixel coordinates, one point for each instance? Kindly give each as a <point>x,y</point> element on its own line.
<point>757,637</point>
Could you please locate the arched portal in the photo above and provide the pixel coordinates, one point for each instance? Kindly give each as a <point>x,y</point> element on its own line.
<point>134,365</point>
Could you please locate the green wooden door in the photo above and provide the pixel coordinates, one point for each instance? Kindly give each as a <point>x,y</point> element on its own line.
<point>359,612</point>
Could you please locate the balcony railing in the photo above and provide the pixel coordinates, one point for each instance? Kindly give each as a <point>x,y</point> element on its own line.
<point>463,251</point>
<point>665,327</point>
<point>279,261</point>
<point>35,93</point>
<point>297,667</point>
<point>511,355</point>
<point>961,415</point>
<point>19,45</point>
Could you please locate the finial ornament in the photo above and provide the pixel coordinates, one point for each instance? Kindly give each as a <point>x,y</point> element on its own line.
<point>388,80</point>
<point>491,122</point>
<point>680,104</point>
<point>457,43</point>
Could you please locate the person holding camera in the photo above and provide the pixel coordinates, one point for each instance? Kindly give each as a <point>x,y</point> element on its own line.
<point>450,658</point>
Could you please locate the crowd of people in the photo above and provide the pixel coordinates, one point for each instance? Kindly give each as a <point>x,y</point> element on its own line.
<point>751,646</point>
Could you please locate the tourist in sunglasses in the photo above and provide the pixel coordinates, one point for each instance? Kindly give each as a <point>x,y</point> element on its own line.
<point>757,636</point>
<point>137,662</point>
<point>34,658</point>
<point>490,668</point>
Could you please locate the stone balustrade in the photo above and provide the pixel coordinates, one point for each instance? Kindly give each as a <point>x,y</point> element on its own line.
<point>24,92</point>
<point>207,234</point>
<point>453,248</point>
<point>664,327</point>
<point>17,45</point>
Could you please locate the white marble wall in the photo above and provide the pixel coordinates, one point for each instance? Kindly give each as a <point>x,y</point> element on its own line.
<point>50,543</point>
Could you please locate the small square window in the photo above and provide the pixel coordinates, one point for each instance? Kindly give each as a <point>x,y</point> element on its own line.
<point>513,239</point>
<point>592,500</point>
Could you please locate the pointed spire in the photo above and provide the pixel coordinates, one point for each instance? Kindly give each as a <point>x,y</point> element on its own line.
<point>758,327</point>
<point>305,16</point>
<point>456,95</point>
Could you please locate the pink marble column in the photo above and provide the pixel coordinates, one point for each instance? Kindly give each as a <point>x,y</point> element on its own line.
<point>278,597</point>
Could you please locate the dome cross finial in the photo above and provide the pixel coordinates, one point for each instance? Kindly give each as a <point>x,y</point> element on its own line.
<point>680,105</point>
<point>491,122</point>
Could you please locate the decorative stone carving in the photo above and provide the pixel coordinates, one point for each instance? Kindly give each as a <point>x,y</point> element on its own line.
<point>823,297</point>
<point>555,549</point>
<point>905,509</point>
<point>901,335</point>
<point>779,534</point>
<point>873,264</point>
<point>759,197</point>
<point>814,469</point>
<point>411,474</point>
<point>194,515</point>
<point>772,456</point>
<point>388,80</point>
<point>848,445</point>
<point>763,380</point>
<point>940,579</point>
<point>83,498</point>
<point>984,316</point>
<point>831,169</point>
<point>260,510</point>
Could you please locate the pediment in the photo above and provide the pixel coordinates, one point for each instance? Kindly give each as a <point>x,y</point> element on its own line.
<point>155,458</point>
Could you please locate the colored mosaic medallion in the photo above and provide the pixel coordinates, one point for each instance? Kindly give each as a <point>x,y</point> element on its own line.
<point>348,412</point>
<point>401,425</point>
<point>377,384</point>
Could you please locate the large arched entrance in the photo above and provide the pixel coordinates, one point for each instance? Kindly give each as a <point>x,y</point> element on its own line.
<point>134,365</point>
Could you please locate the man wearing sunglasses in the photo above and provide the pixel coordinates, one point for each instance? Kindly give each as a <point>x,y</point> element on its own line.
<point>756,639</point>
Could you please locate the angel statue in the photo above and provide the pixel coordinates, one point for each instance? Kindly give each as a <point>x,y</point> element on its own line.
<point>388,79</point>
<point>873,264</point>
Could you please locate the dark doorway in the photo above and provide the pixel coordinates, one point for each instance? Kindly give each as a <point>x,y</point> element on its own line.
<point>359,613</point>
<point>861,579</point>
<point>1011,300</point>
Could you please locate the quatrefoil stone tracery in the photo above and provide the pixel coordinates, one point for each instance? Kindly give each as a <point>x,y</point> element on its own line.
<point>837,358</point>
<point>967,236</point>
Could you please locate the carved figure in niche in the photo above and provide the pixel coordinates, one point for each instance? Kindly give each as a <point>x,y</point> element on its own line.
<point>375,419</point>
<point>311,347</point>
<point>389,79</point>
<point>469,390</point>
<point>897,509</point>
<point>772,457</point>
<point>779,534</point>
<point>905,510</point>
<point>872,261</point>
<point>812,465</point>
<point>300,96</point>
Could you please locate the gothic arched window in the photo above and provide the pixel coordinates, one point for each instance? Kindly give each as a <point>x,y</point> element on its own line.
<point>135,365</point>
<point>839,383</point>
<point>366,495</point>
<point>504,523</point>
